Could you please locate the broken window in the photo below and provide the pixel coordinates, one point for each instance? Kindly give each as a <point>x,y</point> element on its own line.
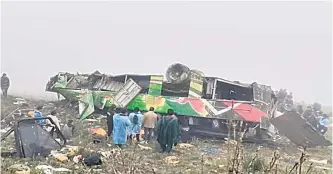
<point>233,91</point>
<point>143,81</point>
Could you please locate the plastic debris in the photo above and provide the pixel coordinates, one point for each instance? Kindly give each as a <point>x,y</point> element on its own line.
<point>77,158</point>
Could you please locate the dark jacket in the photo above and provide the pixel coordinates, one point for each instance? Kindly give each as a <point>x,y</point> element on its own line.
<point>5,82</point>
<point>110,121</point>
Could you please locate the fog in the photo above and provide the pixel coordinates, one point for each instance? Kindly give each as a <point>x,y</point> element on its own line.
<point>283,44</point>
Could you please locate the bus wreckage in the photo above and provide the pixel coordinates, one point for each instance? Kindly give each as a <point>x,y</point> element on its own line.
<point>205,106</point>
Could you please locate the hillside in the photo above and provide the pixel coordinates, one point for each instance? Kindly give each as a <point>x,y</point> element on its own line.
<point>199,156</point>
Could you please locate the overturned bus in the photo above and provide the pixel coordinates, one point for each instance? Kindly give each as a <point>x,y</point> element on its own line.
<point>205,104</point>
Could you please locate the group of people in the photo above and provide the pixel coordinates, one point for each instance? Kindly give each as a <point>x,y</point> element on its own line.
<point>123,126</point>
<point>67,130</point>
<point>316,118</point>
<point>38,114</point>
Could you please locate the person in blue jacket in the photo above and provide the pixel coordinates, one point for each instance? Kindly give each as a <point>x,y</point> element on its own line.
<point>323,123</point>
<point>38,114</point>
<point>136,118</point>
<point>121,124</point>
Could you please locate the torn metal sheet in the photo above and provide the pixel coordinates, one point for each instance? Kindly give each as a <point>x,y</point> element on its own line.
<point>78,82</point>
<point>298,131</point>
<point>106,83</point>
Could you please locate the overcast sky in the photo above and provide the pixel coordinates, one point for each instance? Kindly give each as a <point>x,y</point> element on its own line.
<point>283,44</point>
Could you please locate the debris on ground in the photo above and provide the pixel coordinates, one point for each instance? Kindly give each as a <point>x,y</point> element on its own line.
<point>171,160</point>
<point>46,169</point>
<point>19,169</point>
<point>185,145</point>
<point>144,147</point>
<point>77,159</point>
<point>81,153</point>
<point>318,161</point>
<point>71,151</point>
<point>60,157</point>
<point>93,160</point>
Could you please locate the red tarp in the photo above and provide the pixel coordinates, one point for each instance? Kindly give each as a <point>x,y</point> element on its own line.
<point>247,112</point>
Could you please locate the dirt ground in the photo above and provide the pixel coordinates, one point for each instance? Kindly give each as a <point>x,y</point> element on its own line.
<point>204,156</point>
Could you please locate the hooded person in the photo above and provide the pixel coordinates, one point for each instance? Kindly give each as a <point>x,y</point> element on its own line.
<point>136,119</point>
<point>168,131</point>
<point>5,83</point>
<point>121,124</point>
<point>307,113</point>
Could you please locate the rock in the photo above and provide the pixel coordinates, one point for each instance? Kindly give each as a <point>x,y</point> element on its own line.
<point>50,170</point>
<point>185,145</point>
<point>19,169</point>
<point>221,166</point>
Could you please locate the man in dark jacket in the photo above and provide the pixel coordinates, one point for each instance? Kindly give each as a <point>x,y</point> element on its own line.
<point>168,131</point>
<point>4,84</point>
<point>109,114</point>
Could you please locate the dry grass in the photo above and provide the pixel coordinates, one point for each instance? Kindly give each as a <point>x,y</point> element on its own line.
<point>206,156</point>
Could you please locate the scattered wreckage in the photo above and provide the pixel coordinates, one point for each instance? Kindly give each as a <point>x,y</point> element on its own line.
<point>207,106</point>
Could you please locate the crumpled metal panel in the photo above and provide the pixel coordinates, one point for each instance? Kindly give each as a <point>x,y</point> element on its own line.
<point>127,93</point>
<point>78,82</point>
<point>106,83</point>
<point>298,131</point>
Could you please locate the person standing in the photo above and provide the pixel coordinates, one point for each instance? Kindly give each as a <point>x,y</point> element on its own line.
<point>120,125</point>
<point>68,129</point>
<point>5,83</point>
<point>299,109</point>
<point>38,114</point>
<point>54,118</point>
<point>110,113</point>
<point>136,120</point>
<point>168,131</point>
<point>149,122</point>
